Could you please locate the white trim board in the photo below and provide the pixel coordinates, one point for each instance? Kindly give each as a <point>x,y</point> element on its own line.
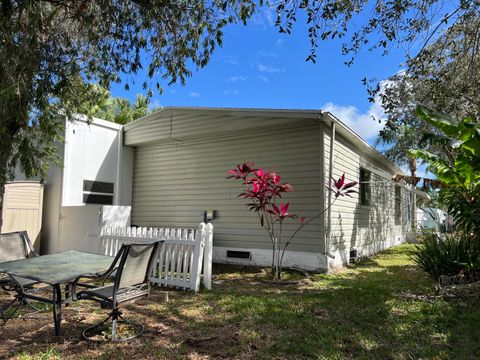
<point>342,254</point>
<point>315,262</point>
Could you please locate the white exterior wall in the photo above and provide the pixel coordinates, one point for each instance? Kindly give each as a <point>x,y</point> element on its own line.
<point>367,229</point>
<point>91,153</point>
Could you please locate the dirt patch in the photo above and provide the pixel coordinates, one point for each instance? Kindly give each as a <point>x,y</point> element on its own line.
<point>460,291</point>
<point>171,331</point>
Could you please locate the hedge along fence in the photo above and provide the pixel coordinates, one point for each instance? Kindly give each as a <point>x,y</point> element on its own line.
<point>180,258</point>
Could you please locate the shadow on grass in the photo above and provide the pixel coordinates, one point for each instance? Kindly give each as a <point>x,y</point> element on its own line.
<point>356,313</point>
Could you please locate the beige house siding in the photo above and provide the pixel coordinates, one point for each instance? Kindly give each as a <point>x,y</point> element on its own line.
<point>367,229</point>
<point>181,159</point>
<point>174,182</point>
<point>22,209</point>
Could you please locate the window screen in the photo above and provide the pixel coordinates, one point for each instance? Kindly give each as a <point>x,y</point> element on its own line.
<point>409,206</point>
<point>98,192</point>
<point>398,204</point>
<point>365,193</point>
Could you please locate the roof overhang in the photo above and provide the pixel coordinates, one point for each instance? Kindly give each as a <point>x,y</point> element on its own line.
<point>294,114</point>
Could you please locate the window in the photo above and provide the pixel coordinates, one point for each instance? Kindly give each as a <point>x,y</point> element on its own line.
<point>398,204</point>
<point>409,205</point>
<point>97,192</point>
<point>365,193</point>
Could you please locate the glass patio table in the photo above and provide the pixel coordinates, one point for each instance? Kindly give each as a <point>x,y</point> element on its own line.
<point>57,269</point>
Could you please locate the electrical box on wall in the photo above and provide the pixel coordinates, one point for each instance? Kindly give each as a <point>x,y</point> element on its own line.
<point>207,216</point>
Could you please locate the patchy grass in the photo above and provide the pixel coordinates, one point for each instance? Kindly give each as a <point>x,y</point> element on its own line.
<point>357,313</point>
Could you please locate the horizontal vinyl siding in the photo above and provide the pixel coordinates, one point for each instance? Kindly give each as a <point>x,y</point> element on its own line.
<point>187,125</point>
<point>355,225</point>
<point>173,183</point>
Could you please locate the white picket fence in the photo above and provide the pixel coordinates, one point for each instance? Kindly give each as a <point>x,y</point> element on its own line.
<point>180,258</point>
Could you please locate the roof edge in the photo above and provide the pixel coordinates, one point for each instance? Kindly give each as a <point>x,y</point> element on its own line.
<point>253,112</point>
<point>368,147</point>
<point>262,112</point>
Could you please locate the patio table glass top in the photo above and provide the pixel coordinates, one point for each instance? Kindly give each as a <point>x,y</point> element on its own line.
<point>58,268</point>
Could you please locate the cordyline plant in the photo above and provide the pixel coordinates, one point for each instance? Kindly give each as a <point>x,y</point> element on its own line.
<point>263,190</point>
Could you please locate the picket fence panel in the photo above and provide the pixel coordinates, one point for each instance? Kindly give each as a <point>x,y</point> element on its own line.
<point>179,260</point>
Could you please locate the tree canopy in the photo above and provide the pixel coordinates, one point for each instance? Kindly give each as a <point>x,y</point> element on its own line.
<point>47,46</point>
<point>458,173</point>
<point>51,48</point>
<point>445,77</point>
<point>441,42</point>
<point>98,102</point>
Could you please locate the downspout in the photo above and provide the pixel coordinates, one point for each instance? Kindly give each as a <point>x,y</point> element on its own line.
<point>330,172</point>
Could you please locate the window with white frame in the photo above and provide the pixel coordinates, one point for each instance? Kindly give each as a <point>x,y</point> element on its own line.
<point>365,188</point>
<point>398,204</point>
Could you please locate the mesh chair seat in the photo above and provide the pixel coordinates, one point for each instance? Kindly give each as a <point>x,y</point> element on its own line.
<point>122,295</point>
<point>24,281</point>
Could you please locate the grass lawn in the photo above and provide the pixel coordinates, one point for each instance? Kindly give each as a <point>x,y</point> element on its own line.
<point>359,313</point>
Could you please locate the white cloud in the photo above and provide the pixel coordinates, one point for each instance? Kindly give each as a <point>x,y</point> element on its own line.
<point>279,42</point>
<point>365,124</point>
<point>231,92</point>
<point>155,104</point>
<point>269,69</point>
<point>263,78</point>
<point>271,16</point>
<point>264,54</point>
<point>238,78</point>
<point>194,94</point>
<point>230,59</point>
<point>265,18</point>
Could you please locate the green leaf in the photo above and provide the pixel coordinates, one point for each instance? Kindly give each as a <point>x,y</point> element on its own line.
<point>441,121</point>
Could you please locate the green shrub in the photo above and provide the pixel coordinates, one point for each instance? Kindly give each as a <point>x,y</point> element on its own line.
<point>453,254</point>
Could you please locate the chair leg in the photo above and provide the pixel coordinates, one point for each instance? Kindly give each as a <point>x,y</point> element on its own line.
<point>117,318</point>
<point>21,301</point>
<point>6,309</point>
<point>114,327</point>
<point>33,307</point>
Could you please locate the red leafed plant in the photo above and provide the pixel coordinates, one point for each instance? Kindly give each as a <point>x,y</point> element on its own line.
<point>263,189</point>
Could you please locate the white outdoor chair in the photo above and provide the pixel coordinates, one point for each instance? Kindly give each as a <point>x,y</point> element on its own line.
<point>132,266</point>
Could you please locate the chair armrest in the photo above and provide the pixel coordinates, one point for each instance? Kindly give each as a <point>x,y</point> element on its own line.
<point>109,274</point>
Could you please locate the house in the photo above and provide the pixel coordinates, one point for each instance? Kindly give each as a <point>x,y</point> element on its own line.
<point>181,156</point>
<point>433,219</point>
<point>171,165</point>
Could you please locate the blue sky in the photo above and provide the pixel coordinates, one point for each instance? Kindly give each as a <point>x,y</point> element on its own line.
<point>259,67</point>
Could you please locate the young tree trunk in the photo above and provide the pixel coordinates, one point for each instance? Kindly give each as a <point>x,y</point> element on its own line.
<point>275,268</point>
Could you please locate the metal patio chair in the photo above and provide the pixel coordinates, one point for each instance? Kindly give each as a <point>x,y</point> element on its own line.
<point>132,267</point>
<point>16,246</point>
